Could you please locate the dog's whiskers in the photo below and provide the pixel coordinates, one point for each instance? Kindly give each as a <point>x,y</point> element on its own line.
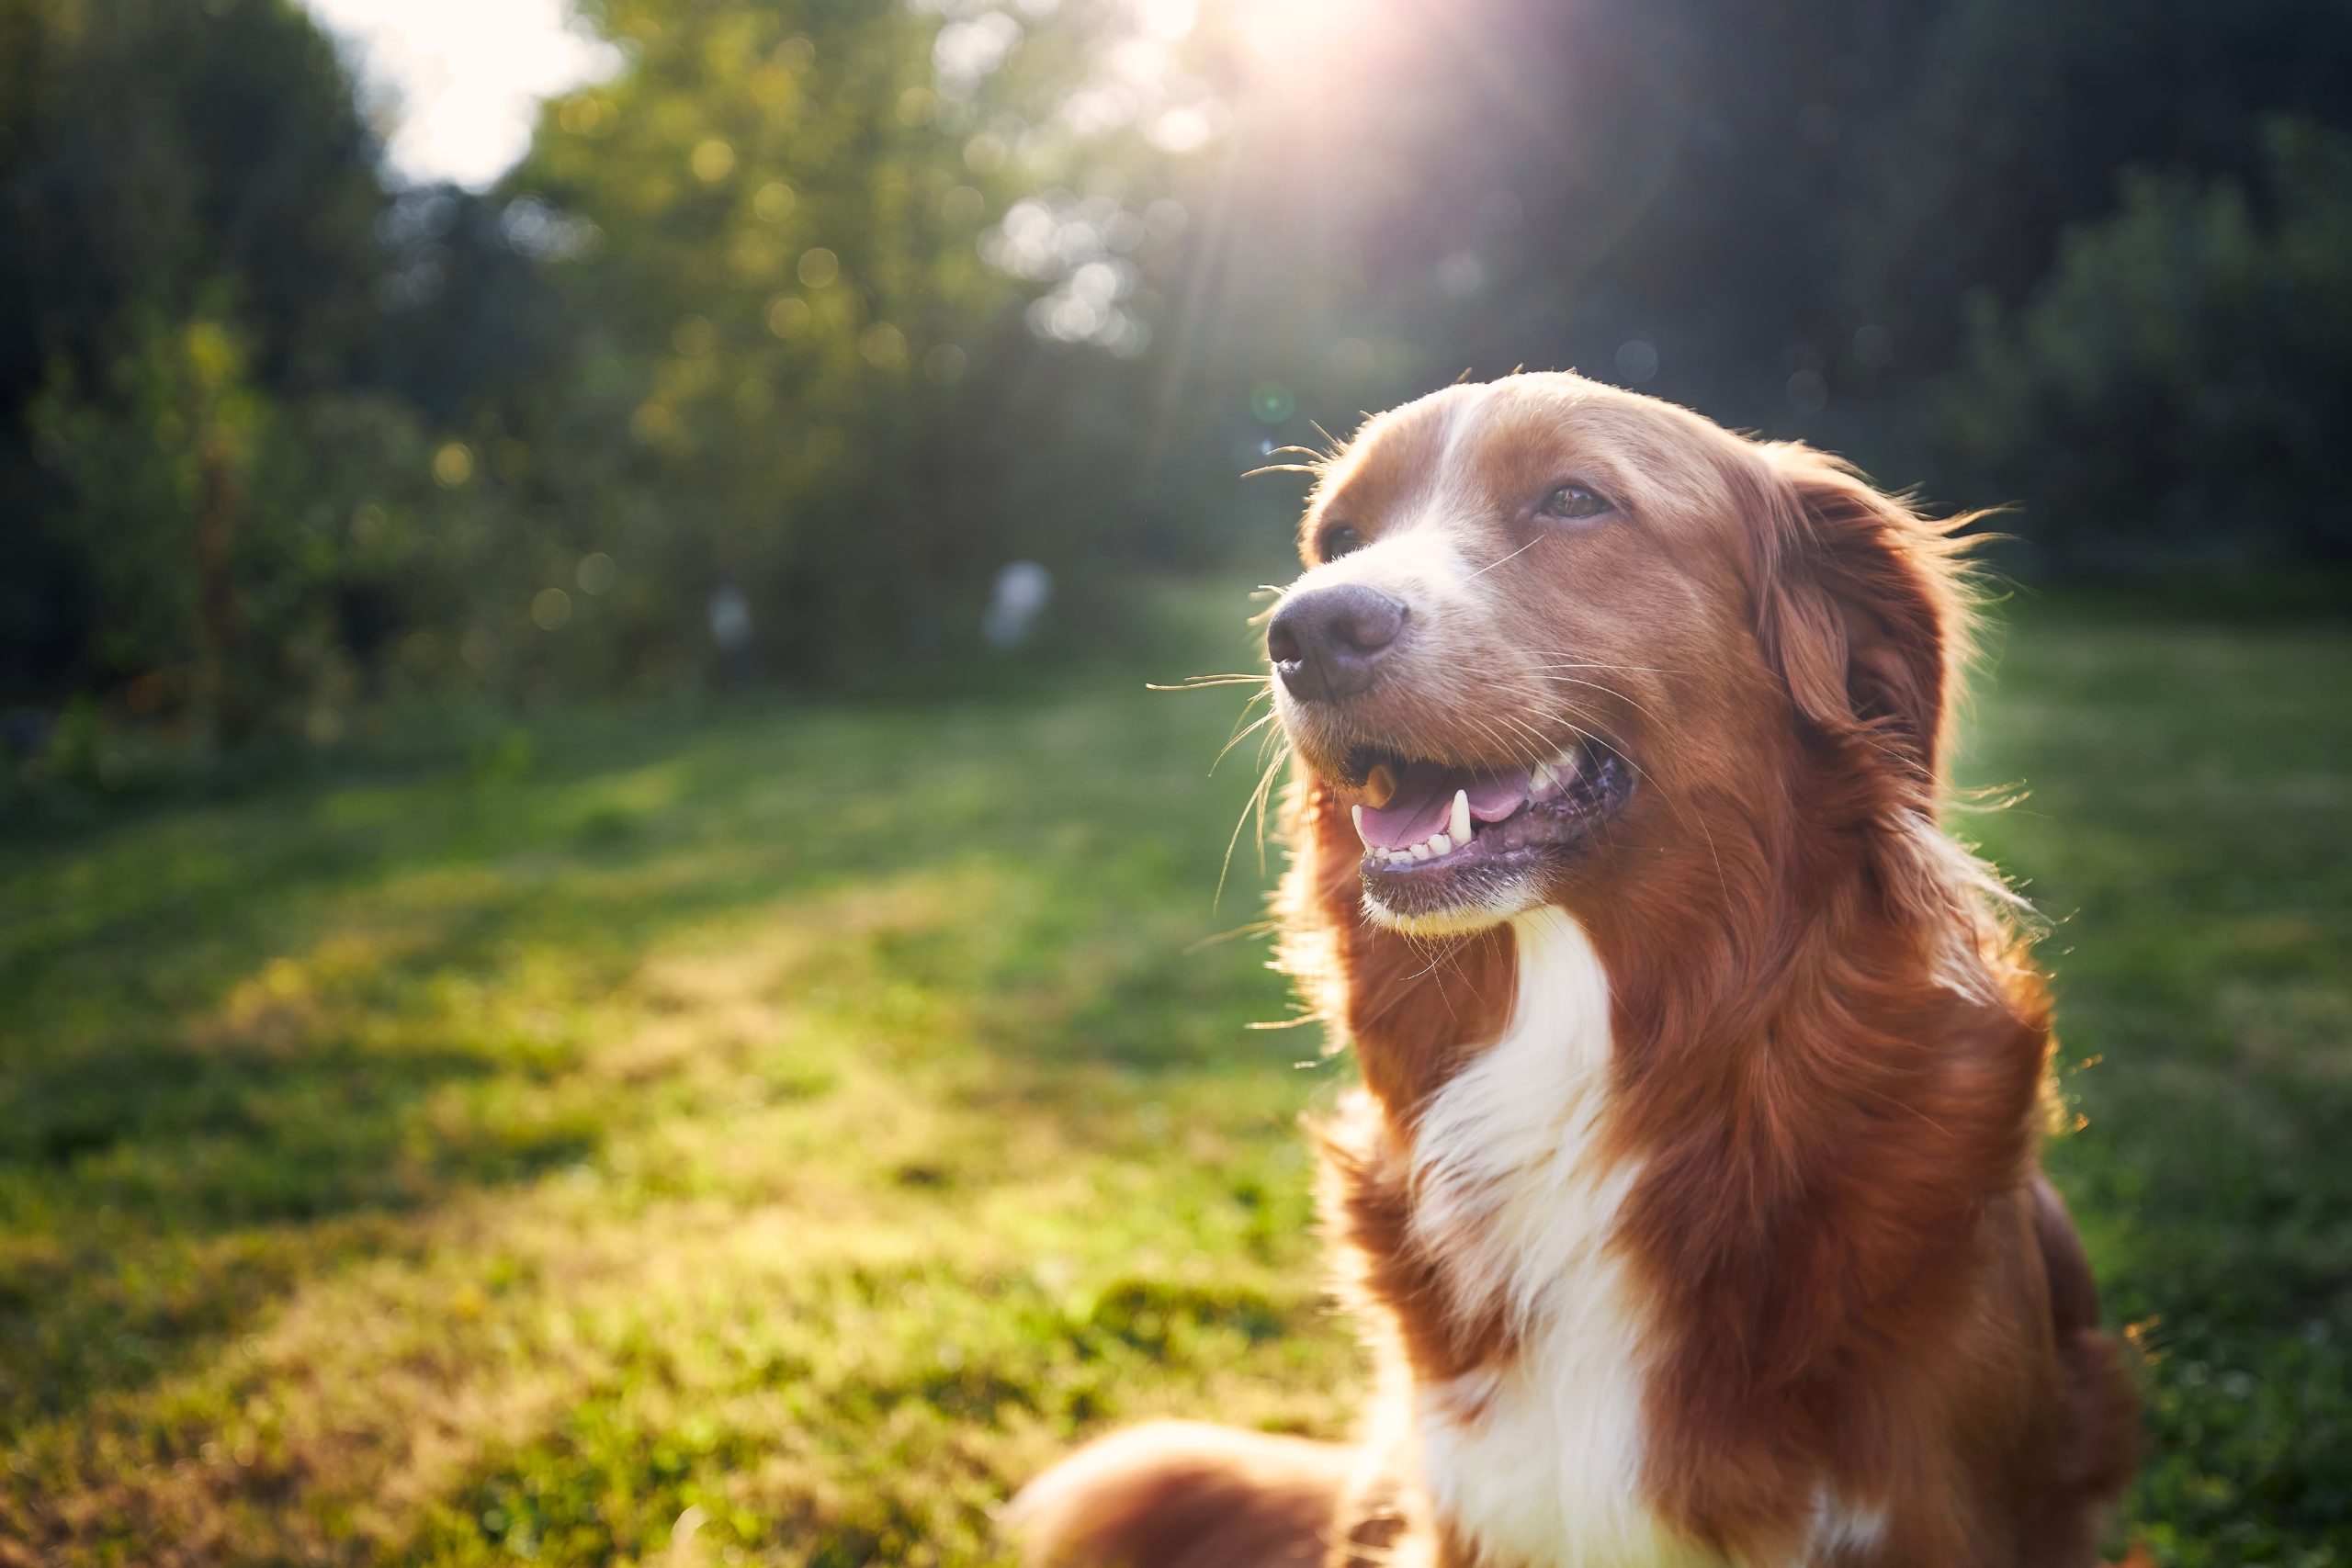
<point>1202,683</point>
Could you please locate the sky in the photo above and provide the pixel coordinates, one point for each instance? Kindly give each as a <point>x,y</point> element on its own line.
<point>460,80</point>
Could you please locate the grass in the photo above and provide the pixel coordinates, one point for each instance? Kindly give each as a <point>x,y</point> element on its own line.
<point>768,1132</point>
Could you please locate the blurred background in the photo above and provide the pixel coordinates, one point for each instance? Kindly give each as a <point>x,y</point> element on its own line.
<point>603,955</point>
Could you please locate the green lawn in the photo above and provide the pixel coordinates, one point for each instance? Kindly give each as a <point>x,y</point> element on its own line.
<point>767,1132</point>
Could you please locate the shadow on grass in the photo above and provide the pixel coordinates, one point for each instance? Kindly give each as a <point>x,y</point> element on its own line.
<point>253,1037</point>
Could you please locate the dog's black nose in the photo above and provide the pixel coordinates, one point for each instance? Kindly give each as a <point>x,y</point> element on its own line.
<point>1325,643</point>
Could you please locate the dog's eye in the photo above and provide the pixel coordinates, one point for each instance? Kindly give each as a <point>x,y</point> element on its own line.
<point>1574,502</point>
<point>1336,540</point>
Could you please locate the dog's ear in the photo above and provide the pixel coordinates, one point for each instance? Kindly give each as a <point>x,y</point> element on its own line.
<point>1861,607</point>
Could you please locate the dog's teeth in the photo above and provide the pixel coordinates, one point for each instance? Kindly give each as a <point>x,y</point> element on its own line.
<point>1440,843</point>
<point>1459,824</point>
<point>1542,780</point>
<point>1421,852</point>
<point>1357,813</point>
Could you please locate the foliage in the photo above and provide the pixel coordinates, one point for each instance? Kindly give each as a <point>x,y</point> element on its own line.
<point>566,1151</point>
<point>2022,112</point>
<point>2177,389</point>
<point>256,556</point>
<point>153,154</point>
<point>799,377</point>
<point>841,307</point>
<point>164,168</point>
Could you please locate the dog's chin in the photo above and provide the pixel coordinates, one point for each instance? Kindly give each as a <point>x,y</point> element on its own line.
<point>1508,896</point>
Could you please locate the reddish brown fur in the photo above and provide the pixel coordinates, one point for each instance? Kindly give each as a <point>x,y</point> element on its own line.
<point>1829,1050</point>
<point>1181,1495</point>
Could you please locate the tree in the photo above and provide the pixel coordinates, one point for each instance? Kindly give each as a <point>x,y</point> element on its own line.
<point>164,168</point>
<point>2024,110</point>
<point>2176,392</point>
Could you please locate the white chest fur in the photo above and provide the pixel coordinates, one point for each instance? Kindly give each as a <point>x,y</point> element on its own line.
<point>1538,1462</point>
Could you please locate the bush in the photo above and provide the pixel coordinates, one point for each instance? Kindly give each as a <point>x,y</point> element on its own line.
<point>2177,392</point>
<point>253,563</point>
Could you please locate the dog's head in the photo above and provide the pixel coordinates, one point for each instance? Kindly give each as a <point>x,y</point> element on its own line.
<point>1544,621</point>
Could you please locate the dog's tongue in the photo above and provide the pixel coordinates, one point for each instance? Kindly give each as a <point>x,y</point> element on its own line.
<point>1424,800</point>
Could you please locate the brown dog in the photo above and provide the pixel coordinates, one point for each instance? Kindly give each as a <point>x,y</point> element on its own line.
<point>1692,1200</point>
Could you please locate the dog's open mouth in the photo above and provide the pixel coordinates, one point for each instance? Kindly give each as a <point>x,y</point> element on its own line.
<point>1433,833</point>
